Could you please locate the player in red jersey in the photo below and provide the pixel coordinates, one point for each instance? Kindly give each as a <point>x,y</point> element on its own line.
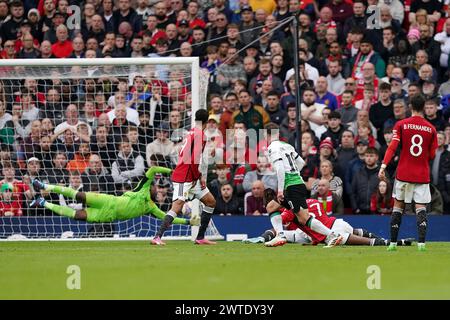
<point>418,139</point>
<point>298,233</point>
<point>189,181</point>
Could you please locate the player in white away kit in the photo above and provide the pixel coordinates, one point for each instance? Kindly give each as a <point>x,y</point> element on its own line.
<point>292,191</point>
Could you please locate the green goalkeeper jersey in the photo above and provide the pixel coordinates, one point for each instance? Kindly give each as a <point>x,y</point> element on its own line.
<point>132,204</point>
<point>140,201</point>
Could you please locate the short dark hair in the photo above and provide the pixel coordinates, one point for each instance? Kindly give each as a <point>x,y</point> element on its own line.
<point>231,93</point>
<point>309,89</point>
<point>387,28</point>
<point>272,127</point>
<point>244,91</point>
<point>16,3</point>
<point>372,150</point>
<point>385,86</point>
<point>273,93</point>
<point>227,184</point>
<point>240,122</point>
<point>417,103</point>
<point>334,115</point>
<point>347,130</point>
<point>291,105</point>
<point>348,91</point>
<point>202,115</point>
<point>197,27</point>
<point>269,195</point>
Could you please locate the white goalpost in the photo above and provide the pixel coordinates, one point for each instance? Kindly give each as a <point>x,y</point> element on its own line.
<point>63,121</point>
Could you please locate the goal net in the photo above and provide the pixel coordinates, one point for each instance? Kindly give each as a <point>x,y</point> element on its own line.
<point>94,125</point>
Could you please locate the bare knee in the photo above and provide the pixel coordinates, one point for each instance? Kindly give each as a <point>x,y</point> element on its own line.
<point>81,197</point>
<point>272,207</point>
<point>177,205</point>
<point>209,200</point>
<point>303,216</point>
<point>399,204</point>
<point>81,215</point>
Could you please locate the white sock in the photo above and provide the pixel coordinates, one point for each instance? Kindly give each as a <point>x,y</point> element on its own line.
<point>319,227</point>
<point>277,223</point>
<point>172,213</point>
<point>297,236</point>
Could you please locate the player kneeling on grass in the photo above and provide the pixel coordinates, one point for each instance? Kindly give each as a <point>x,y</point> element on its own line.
<point>297,233</point>
<point>189,181</point>
<point>292,191</point>
<point>105,207</point>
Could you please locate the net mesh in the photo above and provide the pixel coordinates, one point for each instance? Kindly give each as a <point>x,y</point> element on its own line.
<point>73,125</point>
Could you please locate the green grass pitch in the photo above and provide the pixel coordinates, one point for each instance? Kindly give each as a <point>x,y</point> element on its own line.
<point>136,270</point>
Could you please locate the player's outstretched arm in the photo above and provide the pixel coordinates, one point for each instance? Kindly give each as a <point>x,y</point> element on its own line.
<point>154,170</point>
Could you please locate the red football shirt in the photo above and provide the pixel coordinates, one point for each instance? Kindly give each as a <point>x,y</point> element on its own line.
<point>13,207</point>
<point>316,210</point>
<point>418,140</point>
<point>189,157</point>
<point>62,49</point>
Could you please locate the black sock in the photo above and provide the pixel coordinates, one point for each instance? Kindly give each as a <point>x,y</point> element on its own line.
<point>268,235</point>
<point>421,224</point>
<point>367,234</point>
<point>380,242</point>
<point>396,221</point>
<point>167,222</point>
<point>206,217</point>
<point>404,242</point>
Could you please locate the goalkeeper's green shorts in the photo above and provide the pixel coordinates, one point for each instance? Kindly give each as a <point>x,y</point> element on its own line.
<point>108,208</point>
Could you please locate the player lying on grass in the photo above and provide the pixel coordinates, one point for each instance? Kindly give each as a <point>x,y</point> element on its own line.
<point>108,208</point>
<point>297,233</point>
<point>292,191</point>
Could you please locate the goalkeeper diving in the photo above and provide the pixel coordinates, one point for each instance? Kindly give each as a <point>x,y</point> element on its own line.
<point>102,208</point>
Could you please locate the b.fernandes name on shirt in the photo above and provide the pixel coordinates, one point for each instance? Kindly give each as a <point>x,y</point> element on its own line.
<point>411,126</point>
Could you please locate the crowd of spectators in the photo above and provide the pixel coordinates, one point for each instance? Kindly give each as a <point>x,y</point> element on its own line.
<point>360,62</point>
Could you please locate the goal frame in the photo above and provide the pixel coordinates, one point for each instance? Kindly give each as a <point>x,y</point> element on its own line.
<point>194,64</point>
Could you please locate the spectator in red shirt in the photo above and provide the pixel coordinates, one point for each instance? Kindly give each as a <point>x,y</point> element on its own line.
<point>381,201</point>
<point>9,207</point>
<point>341,10</point>
<point>194,20</point>
<point>63,47</point>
